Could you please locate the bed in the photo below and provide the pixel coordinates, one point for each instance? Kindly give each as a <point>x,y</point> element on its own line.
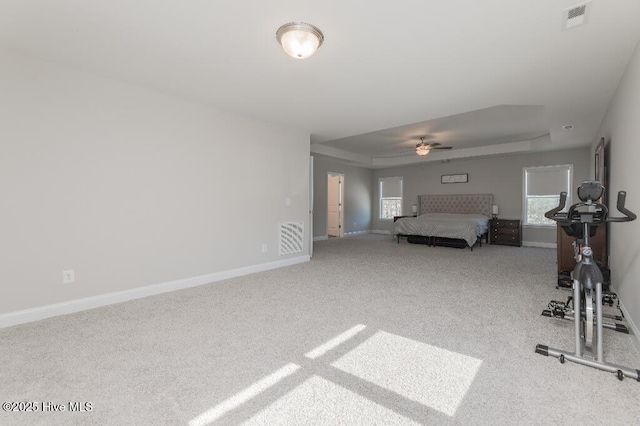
<point>460,220</point>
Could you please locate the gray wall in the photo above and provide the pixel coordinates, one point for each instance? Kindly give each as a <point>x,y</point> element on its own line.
<point>621,130</point>
<point>500,176</point>
<point>131,188</point>
<point>357,196</point>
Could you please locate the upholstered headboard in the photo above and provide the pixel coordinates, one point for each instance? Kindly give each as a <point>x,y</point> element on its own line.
<point>456,203</point>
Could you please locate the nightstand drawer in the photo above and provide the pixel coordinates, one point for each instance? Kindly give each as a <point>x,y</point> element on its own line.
<point>503,239</point>
<point>505,231</point>
<point>500,223</point>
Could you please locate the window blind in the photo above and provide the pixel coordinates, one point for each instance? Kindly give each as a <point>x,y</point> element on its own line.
<point>391,187</point>
<point>547,181</point>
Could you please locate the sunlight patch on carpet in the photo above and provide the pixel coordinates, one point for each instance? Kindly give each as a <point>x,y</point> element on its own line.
<point>335,342</point>
<point>431,376</point>
<point>243,396</point>
<point>317,401</point>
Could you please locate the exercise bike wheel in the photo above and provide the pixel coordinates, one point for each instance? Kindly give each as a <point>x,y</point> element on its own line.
<point>588,323</point>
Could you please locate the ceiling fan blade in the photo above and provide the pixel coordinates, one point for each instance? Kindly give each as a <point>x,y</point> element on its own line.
<point>434,144</point>
<point>443,147</point>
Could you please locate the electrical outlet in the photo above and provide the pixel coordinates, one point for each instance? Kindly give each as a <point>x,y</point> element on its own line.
<point>264,247</point>
<point>69,276</point>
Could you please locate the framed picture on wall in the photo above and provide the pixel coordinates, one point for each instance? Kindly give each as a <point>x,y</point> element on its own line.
<point>458,178</point>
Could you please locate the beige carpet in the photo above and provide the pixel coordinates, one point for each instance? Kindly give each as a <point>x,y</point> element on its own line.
<point>368,332</point>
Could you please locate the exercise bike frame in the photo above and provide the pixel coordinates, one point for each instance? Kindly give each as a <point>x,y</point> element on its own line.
<point>587,278</point>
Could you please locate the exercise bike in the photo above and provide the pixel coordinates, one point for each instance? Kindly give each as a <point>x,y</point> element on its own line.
<point>563,310</point>
<point>587,279</point>
<point>564,277</point>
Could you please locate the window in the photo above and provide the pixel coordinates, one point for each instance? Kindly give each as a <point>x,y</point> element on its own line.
<point>542,188</point>
<point>390,197</point>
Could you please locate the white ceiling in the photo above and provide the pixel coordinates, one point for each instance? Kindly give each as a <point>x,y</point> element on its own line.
<point>485,77</point>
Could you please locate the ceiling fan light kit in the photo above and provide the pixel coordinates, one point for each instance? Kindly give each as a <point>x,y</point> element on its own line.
<point>423,148</point>
<point>299,39</point>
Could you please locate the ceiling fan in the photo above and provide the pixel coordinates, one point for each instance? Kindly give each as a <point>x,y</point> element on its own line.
<point>423,147</point>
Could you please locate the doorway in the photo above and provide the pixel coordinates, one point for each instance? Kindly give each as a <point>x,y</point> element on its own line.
<point>335,202</point>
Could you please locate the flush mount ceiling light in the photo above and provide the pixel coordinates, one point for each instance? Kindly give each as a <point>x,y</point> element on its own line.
<point>299,39</point>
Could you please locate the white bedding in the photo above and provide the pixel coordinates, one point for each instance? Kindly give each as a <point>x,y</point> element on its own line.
<point>467,227</point>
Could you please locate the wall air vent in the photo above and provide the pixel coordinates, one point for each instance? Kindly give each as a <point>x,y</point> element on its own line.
<point>291,234</point>
<point>576,15</point>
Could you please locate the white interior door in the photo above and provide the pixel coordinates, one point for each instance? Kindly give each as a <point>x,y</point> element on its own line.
<point>334,205</point>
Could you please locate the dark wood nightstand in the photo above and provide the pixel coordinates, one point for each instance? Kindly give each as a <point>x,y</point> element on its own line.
<point>506,232</point>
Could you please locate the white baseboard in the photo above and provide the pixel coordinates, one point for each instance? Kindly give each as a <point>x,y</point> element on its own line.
<point>632,326</point>
<point>538,244</point>
<point>346,234</point>
<point>378,231</point>
<point>64,308</point>
<point>354,233</point>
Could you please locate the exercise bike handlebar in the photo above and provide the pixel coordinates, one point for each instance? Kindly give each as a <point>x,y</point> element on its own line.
<point>628,214</point>
<point>554,214</point>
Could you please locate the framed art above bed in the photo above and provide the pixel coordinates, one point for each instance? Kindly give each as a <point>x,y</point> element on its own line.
<point>458,178</point>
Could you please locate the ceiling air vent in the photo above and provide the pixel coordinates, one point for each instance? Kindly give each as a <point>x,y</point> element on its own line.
<point>576,15</point>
